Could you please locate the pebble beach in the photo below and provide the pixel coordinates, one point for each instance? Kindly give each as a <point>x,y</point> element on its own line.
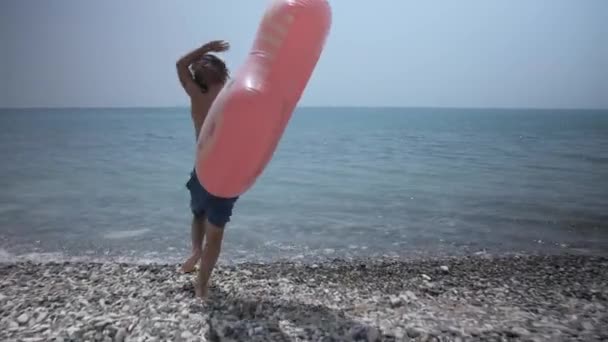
<point>470,298</point>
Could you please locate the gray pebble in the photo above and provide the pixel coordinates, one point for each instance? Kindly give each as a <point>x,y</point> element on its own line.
<point>120,336</point>
<point>474,331</point>
<point>518,332</point>
<point>32,339</point>
<point>395,301</point>
<point>100,325</point>
<point>455,331</point>
<point>414,332</point>
<point>399,333</point>
<point>487,328</point>
<point>411,296</point>
<point>23,318</point>
<point>444,269</point>
<point>41,316</point>
<point>73,331</point>
<point>373,334</point>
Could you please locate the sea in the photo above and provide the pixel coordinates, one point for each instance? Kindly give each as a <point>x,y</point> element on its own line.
<point>109,184</point>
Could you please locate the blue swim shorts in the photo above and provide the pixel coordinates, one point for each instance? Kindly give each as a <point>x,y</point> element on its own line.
<point>217,210</point>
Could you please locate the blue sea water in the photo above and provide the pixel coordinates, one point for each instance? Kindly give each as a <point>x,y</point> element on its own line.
<point>343,182</point>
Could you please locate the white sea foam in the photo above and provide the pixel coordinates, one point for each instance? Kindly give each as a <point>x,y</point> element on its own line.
<point>125,234</point>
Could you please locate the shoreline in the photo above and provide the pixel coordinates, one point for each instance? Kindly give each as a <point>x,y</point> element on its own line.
<point>463,298</point>
<point>324,256</point>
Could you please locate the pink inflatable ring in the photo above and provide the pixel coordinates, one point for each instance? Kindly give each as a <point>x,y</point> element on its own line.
<point>249,115</point>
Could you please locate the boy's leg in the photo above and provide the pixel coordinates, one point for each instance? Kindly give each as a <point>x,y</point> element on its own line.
<point>218,215</point>
<point>198,199</point>
<point>210,254</point>
<point>198,234</point>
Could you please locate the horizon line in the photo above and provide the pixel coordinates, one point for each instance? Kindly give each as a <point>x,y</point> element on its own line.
<point>315,107</point>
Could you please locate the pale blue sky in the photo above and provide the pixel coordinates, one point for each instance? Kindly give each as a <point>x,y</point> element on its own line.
<point>466,53</point>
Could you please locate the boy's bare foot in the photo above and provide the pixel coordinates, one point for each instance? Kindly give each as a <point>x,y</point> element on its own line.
<point>201,289</point>
<point>189,265</point>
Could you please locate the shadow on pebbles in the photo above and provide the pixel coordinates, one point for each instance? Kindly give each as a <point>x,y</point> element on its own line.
<point>526,298</point>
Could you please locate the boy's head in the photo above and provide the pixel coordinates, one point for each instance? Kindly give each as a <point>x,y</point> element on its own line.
<point>209,71</point>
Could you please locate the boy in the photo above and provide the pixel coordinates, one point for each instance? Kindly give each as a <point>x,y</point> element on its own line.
<point>202,75</point>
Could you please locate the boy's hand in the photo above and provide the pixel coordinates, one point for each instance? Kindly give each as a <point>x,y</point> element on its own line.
<point>217,46</point>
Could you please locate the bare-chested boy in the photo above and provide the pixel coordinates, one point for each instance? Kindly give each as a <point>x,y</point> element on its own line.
<point>203,75</point>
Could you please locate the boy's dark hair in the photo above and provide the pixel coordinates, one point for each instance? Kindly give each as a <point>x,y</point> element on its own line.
<point>209,70</point>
